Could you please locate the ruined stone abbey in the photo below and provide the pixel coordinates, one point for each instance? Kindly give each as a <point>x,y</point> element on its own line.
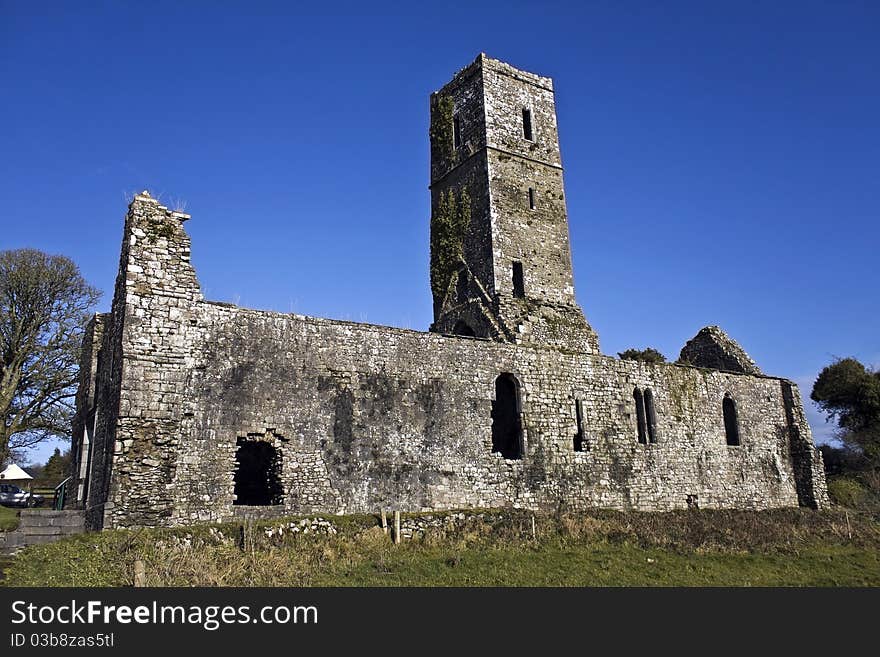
<point>191,410</point>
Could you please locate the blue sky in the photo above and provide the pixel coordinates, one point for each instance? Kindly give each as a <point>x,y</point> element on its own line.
<point>722,159</point>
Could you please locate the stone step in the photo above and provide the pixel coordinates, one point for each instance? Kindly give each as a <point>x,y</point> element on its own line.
<point>39,539</point>
<point>52,522</point>
<point>13,540</point>
<point>49,531</point>
<point>52,519</point>
<point>49,513</point>
<point>37,526</point>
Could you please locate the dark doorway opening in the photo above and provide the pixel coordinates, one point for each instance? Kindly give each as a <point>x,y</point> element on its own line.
<point>506,421</point>
<point>257,473</point>
<point>462,328</point>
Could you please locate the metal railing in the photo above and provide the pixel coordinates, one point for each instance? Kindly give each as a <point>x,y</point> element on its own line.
<point>60,495</point>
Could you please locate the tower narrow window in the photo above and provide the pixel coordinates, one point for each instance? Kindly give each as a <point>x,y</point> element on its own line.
<point>580,440</point>
<point>461,287</point>
<point>456,132</point>
<point>650,415</point>
<point>531,198</point>
<point>640,416</point>
<point>527,124</point>
<point>519,285</point>
<point>731,424</point>
<point>506,423</point>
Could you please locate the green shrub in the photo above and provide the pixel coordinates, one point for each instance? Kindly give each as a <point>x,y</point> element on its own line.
<point>8,519</point>
<point>649,355</point>
<point>847,491</point>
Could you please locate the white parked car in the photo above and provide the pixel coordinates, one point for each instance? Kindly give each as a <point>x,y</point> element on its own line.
<point>11,495</point>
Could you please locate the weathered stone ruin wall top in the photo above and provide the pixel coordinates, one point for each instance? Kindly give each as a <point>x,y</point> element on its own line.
<point>714,349</point>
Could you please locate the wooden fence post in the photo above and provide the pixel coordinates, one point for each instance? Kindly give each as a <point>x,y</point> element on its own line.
<point>140,574</point>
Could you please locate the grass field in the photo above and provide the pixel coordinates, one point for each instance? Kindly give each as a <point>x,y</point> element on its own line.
<point>609,565</point>
<point>788,547</point>
<point>8,523</point>
<point>8,519</point>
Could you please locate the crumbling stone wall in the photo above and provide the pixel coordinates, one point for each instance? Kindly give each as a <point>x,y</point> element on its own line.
<point>82,425</point>
<point>809,468</point>
<point>363,417</point>
<point>375,416</point>
<point>385,417</point>
<point>713,348</point>
<point>141,370</point>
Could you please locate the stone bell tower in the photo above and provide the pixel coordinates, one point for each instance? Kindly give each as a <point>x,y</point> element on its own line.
<point>500,254</point>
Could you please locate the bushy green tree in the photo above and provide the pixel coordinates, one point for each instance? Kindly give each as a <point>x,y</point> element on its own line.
<point>649,355</point>
<point>56,470</point>
<point>849,392</point>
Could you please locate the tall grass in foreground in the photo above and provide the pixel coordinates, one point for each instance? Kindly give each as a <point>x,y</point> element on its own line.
<point>496,548</point>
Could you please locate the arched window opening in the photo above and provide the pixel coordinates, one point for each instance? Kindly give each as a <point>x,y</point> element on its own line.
<point>462,328</point>
<point>650,416</point>
<point>257,473</point>
<point>461,287</point>
<point>506,421</point>
<point>731,423</point>
<point>580,438</point>
<point>640,416</point>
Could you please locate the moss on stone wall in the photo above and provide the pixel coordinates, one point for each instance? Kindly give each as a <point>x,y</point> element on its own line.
<point>441,128</point>
<point>157,228</point>
<point>448,228</point>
